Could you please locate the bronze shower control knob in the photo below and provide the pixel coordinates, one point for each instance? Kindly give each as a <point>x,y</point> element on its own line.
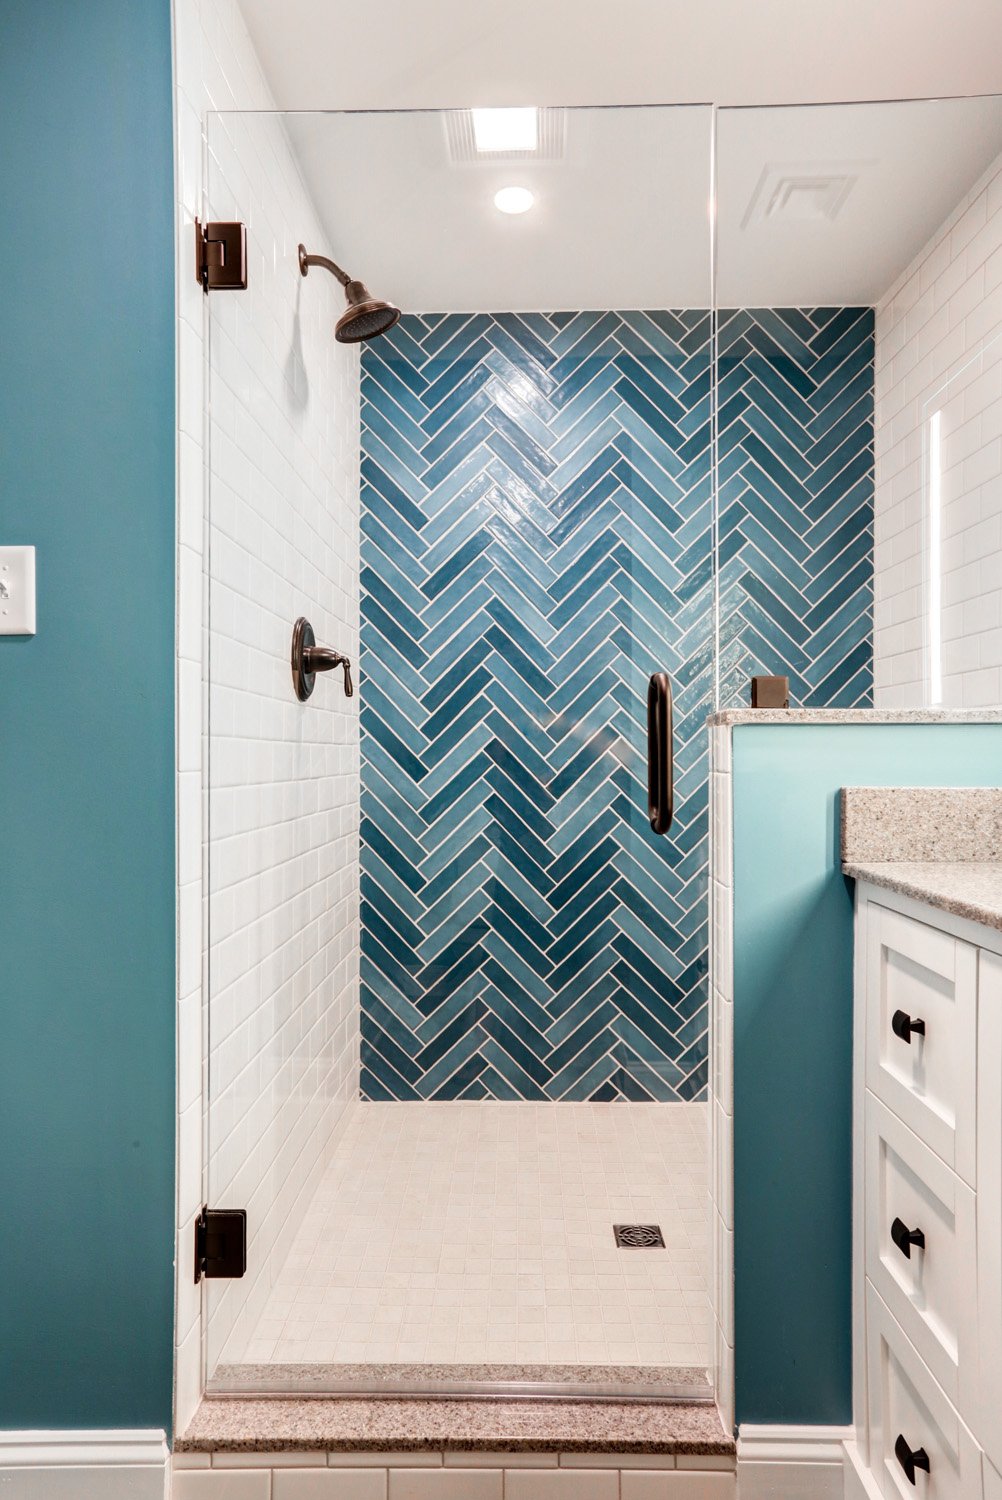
<point>308,659</point>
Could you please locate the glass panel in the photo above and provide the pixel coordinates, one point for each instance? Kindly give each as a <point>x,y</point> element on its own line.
<point>457,986</point>
<point>860,287</point>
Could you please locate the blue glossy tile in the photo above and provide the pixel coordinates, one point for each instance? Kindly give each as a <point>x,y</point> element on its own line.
<point>397,501</point>
<point>523,406</point>
<point>518,357</point>
<point>528,391</point>
<point>395,430</point>
<point>402,385</point>
<point>518,328</point>
<point>447,1075</point>
<point>451,391</point>
<point>476,403</point>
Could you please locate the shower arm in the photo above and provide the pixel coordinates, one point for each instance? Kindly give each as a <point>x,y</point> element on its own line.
<point>323,659</point>
<point>305,261</point>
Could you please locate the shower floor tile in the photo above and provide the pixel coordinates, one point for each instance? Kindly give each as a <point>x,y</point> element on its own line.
<point>483,1233</point>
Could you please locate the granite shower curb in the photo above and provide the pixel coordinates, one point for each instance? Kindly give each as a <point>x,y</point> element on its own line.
<point>492,1425</point>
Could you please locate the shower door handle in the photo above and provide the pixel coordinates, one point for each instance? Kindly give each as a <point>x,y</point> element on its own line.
<point>660,777</point>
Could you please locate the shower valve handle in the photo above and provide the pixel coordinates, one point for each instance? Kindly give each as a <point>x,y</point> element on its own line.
<point>322,659</point>
<point>308,659</point>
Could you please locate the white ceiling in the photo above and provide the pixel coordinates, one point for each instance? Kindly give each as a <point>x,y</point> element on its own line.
<point>908,166</point>
<point>397,54</point>
<point>622,219</point>
<point>604,231</point>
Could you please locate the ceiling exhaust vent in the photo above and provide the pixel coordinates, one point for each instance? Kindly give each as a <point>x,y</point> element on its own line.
<point>802,194</point>
<point>551,126</point>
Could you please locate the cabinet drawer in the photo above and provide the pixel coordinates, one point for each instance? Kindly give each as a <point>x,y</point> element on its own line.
<point>920,1249</point>
<point>920,1042</point>
<point>910,1415</point>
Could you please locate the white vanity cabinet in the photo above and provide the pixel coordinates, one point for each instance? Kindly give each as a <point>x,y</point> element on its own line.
<point>927,1200</point>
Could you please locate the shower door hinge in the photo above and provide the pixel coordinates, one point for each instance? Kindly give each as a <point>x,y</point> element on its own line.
<point>221,256</point>
<point>220,1243</point>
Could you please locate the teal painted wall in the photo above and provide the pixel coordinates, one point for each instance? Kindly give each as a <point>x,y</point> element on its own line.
<point>87,718</point>
<point>793,1043</point>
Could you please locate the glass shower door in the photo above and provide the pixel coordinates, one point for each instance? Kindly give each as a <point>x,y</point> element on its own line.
<point>457,986</point>
<point>282,796</point>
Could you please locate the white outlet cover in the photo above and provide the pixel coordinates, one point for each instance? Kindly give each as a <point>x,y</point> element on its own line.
<point>17,591</point>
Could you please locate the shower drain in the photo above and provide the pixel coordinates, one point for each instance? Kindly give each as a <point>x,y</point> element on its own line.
<point>639,1236</point>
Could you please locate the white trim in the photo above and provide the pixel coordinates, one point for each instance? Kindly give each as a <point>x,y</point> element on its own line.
<point>800,1445</point>
<point>860,1390</point>
<point>99,1447</point>
<point>721,1075</point>
<point>792,1463</point>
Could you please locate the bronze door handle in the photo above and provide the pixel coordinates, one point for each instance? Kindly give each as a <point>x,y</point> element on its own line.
<point>660,775</point>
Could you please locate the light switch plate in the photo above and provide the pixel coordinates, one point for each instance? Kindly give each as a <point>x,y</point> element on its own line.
<point>17,591</point>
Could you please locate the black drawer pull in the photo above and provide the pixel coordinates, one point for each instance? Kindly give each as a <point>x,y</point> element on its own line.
<point>905,1238</point>
<point>903,1026</point>
<point>910,1459</point>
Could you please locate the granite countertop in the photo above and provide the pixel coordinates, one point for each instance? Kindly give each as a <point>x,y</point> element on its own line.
<point>273,1424</point>
<point>939,844</point>
<point>967,888</point>
<point>856,716</point>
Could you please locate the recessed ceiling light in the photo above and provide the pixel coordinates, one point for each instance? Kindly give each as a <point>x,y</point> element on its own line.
<point>505,129</point>
<point>514,200</point>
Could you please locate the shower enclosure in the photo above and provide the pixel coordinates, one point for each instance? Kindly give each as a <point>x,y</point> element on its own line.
<point>467,1073</point>
<point>457,986</point>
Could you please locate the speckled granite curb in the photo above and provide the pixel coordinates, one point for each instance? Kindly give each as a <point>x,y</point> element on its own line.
<point>921,823</point>
<point>493,1426</point>
<point>275,1424</point>
<point>856,716</point>
<point>966,889</point>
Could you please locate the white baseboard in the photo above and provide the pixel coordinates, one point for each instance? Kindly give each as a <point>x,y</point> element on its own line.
<point>792,1463</point>
<point>89,1464</point>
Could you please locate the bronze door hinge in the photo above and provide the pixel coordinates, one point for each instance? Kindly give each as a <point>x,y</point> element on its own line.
<point>221,256</point>
<point>220,1243</point>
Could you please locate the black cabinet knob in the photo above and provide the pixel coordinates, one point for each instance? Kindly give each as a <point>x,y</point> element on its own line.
<point>903,1026</point>
<point>905,1238</point>
<point>910,1459</point>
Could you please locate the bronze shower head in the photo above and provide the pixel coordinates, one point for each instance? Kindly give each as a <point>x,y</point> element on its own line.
<point>366,316</point>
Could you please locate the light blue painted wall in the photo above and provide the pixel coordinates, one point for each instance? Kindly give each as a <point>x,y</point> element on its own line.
<point>87,721</point>
<point>793,1043</point>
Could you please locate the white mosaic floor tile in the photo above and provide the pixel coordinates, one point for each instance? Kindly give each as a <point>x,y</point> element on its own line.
<point>483,1233</point>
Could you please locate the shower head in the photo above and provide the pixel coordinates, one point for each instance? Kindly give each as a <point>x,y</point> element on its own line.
<point>366,316</point>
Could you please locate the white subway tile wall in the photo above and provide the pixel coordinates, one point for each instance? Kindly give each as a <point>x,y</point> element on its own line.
<point>939,349</point>
<point>282,860</point>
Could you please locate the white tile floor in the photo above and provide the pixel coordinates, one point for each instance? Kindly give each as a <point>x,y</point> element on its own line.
<point>482,1233</point>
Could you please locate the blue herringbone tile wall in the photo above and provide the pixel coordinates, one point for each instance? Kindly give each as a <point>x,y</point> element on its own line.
<point>536,540</point>
<point>795,429</point>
